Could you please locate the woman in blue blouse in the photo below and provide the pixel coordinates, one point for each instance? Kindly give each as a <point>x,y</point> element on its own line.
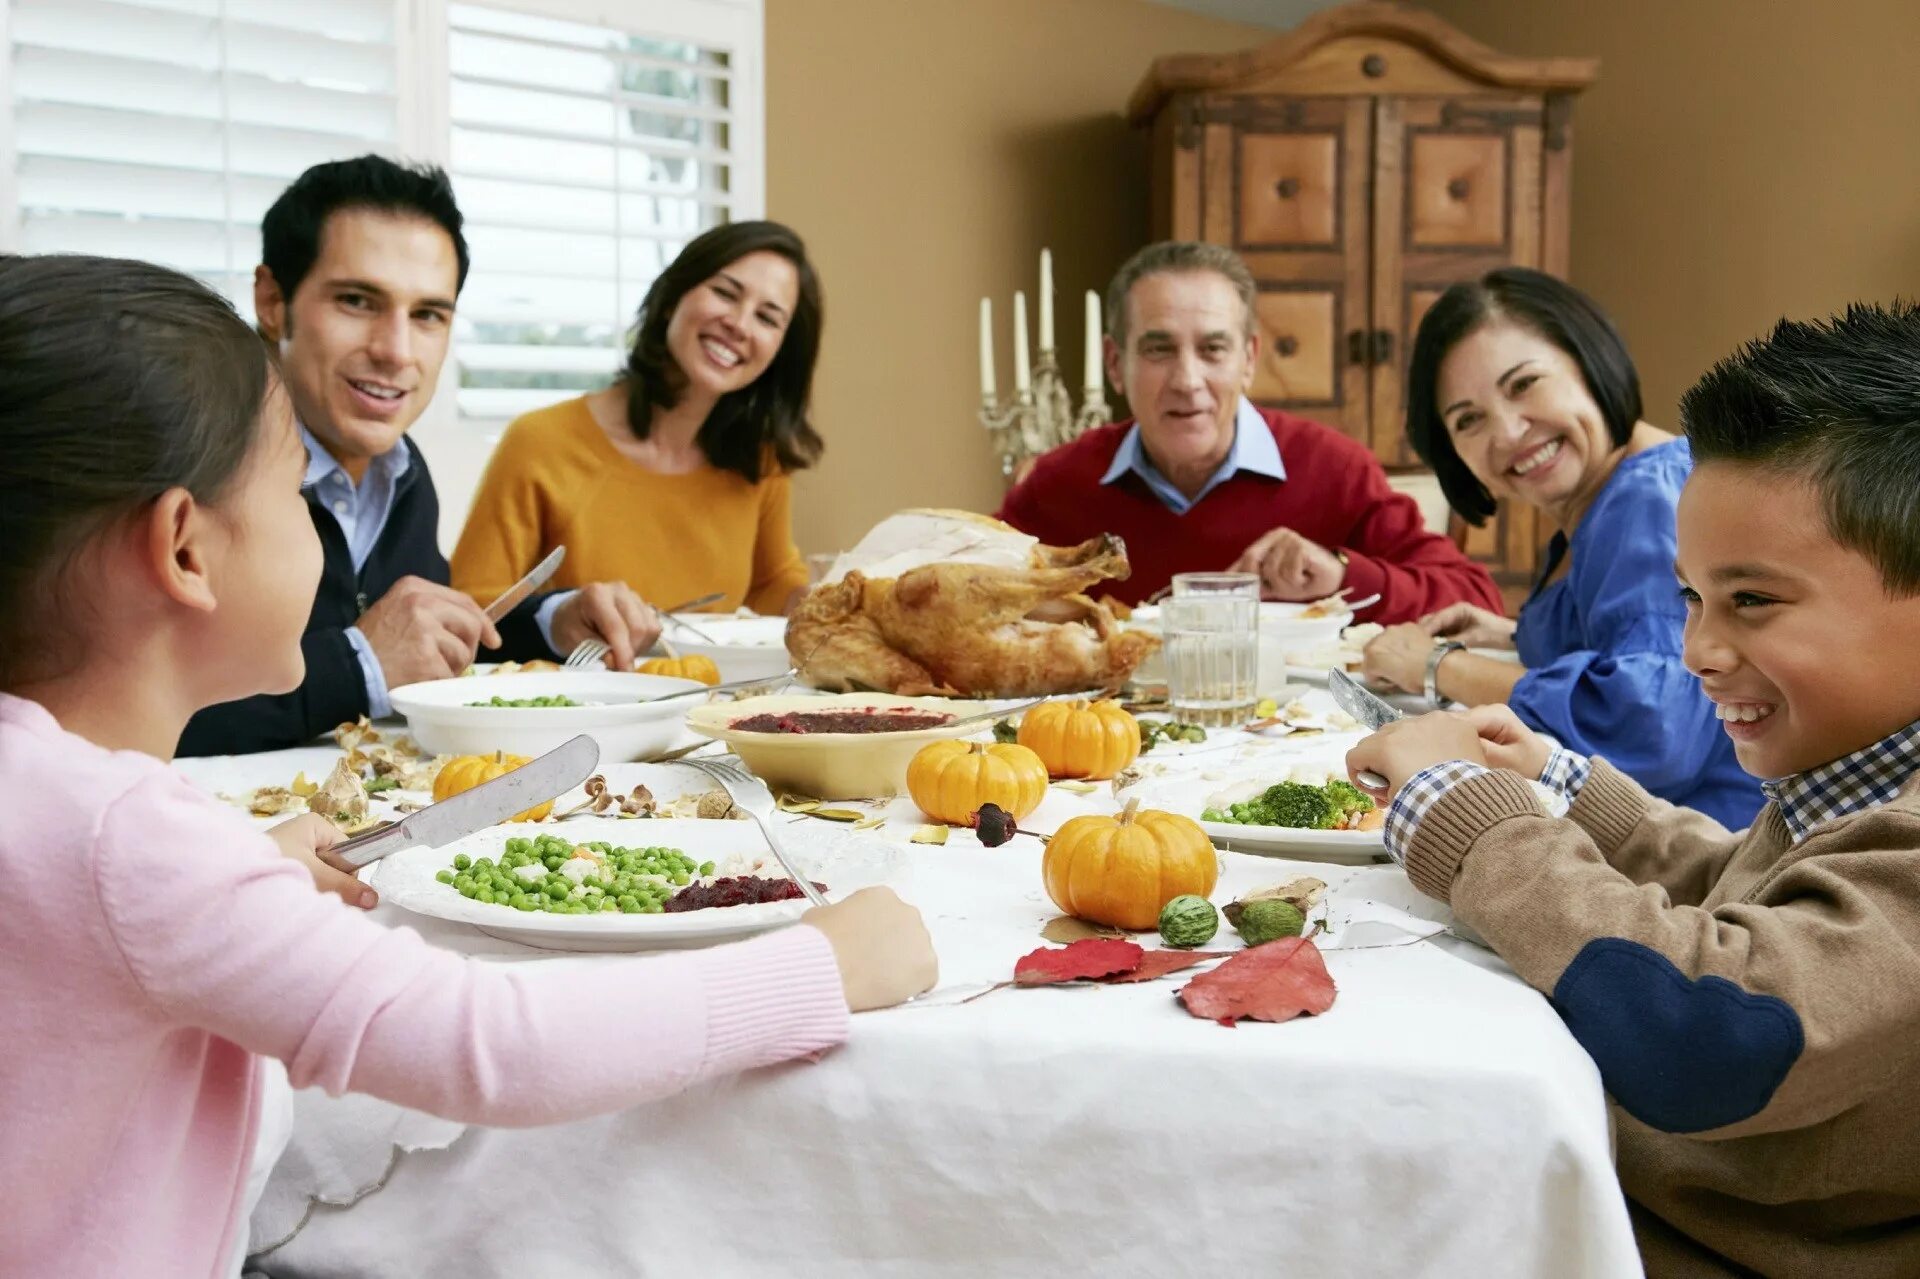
<point>1521,390</point>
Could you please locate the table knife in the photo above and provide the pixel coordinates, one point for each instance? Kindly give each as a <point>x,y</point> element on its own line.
<point>532,784</point>
<point>1370,710</point>
<point>527,585</point>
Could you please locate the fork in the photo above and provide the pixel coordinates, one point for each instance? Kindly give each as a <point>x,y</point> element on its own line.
<point>587,653</point>
<point>751,796</point>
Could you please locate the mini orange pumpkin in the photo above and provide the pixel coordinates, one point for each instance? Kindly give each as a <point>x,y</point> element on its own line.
<point>951,780</point>
<point>693,666</point>
<point>1123,870</point>
<point>464,772</point>
<point>1075,739</point>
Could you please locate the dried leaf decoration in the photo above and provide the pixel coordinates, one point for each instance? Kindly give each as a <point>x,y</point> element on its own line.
<point>1275,982</point>
<point>1066,929</point>
<point>1086,959</point>
<point>1158,963</point>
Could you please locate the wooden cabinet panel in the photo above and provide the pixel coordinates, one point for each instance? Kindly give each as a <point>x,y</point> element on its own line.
<point>1286,182</point>
<point>1457,191</point>
<point>1289,191</point>
<point>1456,194</point>
<point>1299,362</point>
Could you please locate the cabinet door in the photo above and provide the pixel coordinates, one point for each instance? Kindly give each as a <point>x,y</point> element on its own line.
<point>1457,192</point>
<point>1284,183</point>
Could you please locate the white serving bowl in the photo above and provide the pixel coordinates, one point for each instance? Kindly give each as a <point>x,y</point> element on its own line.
<point>1282,630</point>
<point>829,765</point>
<point>742,647</point>
<point>440,719</point>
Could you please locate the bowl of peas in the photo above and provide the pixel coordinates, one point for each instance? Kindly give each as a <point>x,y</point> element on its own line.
<point>529,714</point>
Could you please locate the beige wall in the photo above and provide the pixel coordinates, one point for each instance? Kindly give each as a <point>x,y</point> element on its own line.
<point>927,150</point>
<point>1737,160</point>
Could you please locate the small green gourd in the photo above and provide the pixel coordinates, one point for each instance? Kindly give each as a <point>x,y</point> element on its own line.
<point>1267,920</point>
<point>1188,921</point>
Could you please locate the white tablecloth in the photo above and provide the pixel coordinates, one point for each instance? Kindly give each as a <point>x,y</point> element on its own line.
<point>1438,1120</point>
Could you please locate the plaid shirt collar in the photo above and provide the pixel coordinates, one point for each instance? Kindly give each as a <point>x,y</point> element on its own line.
<point>1871,775</point>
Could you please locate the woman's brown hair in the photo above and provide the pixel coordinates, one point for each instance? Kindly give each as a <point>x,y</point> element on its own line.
<point>768,416</point>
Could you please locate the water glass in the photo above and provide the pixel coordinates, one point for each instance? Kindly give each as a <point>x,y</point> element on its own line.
<point>1245,585</point>
<point>1212,643</point>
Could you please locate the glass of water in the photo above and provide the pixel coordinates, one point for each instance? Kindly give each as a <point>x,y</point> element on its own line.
<point>1245,585</point>
<point>1212,645</point>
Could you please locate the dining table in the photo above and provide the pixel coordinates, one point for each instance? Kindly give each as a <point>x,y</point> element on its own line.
<point>1438,1119</point>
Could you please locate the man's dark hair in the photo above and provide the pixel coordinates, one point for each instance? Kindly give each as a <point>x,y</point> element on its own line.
<point>290,233</point>
<point>1541,304</point>
<point>769,415</point>
<point>1838,403</point>
<point>118,381</point>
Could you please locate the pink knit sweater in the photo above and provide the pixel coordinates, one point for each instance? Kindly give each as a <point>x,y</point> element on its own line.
<point>154,940</point>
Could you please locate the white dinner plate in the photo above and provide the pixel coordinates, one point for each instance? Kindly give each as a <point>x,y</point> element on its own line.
<point>1187,793</point>
<point>441,718</point>
<point>842,859</point>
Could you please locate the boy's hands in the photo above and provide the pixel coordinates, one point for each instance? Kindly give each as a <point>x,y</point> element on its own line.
<point>306,839</point>
<point>1407,746</point>
<point>1508,743</point>
<point>1491,735</point>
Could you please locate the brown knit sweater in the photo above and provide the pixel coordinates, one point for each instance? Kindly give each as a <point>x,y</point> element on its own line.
<point>1753,1006</point>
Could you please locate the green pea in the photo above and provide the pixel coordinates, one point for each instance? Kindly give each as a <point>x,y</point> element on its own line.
<point>706,868</point>
<point>445,877</point>
<point>461,861</point>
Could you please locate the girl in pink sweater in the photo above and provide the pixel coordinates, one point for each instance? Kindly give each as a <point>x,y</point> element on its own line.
<point>158,558</point>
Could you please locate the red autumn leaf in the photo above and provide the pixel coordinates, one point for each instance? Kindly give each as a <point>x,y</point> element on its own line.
<point>1274,982</point>
<point>1158,963</point>
<point>1093,957</point>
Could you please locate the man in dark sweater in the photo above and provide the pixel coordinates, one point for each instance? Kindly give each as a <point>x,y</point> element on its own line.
<point>1202,480</point>
<point>362,261</point>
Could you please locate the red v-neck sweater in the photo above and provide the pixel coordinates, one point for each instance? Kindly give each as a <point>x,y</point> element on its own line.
<point>1335,493</point>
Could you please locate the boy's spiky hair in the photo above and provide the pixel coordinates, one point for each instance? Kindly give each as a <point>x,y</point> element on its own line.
<point>1838,402</point>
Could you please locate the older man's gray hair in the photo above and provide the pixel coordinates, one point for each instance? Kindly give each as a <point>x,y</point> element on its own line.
<point>1176,256</point>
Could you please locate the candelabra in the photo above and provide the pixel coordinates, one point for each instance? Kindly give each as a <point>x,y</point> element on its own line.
<point>1040,418</point>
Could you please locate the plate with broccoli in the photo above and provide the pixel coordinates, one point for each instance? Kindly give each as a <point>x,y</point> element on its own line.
<point>1302,812</point>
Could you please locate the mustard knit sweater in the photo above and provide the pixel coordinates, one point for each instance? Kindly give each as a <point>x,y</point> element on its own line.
<point>556,479</point>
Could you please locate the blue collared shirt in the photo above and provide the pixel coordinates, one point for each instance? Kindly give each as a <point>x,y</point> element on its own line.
<point>362,511</point>
<point>1253,450</point>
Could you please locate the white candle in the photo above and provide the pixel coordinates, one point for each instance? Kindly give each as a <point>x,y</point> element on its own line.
<point>1046,300</point>
<point>1022,376</point>
<point>1093,344</point>
<point>986,349</point>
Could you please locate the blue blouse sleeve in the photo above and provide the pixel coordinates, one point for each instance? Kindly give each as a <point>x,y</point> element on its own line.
<point>1618,687</point>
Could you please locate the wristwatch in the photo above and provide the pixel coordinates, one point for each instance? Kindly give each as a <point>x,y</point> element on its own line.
<point>1441,649</point>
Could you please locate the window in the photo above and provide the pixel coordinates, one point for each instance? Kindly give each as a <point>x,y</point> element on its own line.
<point>585,156</point>
<point>588,141</point>
<point>162,129</point>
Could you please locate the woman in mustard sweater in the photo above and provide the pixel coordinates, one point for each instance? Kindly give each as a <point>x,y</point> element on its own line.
<point>673,479</point>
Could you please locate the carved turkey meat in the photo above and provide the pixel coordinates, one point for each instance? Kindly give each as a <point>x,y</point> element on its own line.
<point>966,606</point>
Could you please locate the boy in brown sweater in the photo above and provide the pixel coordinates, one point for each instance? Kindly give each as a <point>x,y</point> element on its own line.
<point>1752,1000</point>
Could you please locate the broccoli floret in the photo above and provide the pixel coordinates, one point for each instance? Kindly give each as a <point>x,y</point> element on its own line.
<point>1348,798</point>
<point>1299,806</point>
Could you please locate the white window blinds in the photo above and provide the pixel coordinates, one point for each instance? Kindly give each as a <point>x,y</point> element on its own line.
<point>585,155</point>
<point>162,129</point>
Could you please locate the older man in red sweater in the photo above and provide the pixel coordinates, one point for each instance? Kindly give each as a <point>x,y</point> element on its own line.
<point>1202,480</point>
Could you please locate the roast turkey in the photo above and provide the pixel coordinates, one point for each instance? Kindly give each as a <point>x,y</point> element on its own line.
<point>948,603</point>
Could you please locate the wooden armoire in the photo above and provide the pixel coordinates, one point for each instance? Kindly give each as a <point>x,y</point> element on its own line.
<point>1360,163</point>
